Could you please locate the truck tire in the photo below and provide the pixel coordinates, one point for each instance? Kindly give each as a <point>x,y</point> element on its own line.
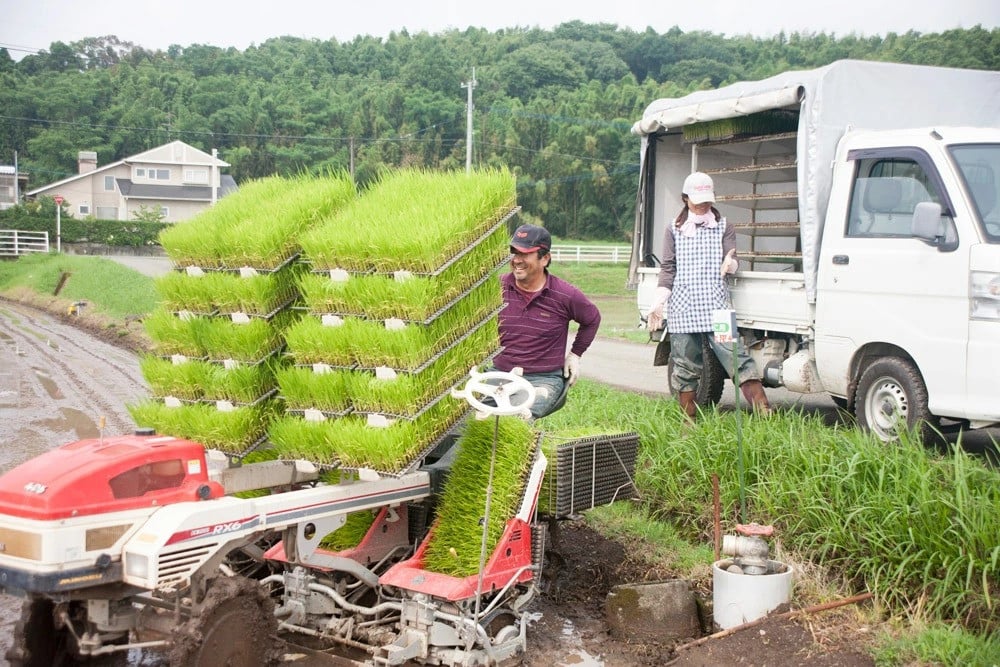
<point>713,375</point>
<point>891,398</point>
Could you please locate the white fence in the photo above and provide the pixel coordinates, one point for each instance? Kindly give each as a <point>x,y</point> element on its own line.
<point>613,254</point>
<point>15,242</point>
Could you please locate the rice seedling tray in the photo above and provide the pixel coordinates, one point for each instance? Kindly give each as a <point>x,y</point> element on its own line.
<point>240,363</point>
<point>587,472</point>
<point>397,448</point>
<point>240,317</point>
<point>414,370</point>
<point>222,405</point>
<point>316,414</point>
<point>245,271</point>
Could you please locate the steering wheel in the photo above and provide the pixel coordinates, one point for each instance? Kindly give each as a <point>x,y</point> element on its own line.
<point>509,393</point>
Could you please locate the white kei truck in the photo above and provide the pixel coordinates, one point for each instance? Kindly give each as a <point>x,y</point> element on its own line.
<point>864,197</point>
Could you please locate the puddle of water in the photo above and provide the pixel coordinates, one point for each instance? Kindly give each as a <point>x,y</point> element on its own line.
<point>577,656</point>
<point>51,388</point>
<point>71,419</point>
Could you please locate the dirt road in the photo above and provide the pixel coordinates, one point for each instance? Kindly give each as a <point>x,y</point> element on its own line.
<point>56,385</point>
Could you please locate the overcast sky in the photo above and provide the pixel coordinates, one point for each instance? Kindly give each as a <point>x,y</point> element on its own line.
<point>27,26</point>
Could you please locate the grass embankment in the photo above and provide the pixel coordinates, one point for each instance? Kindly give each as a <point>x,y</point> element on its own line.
<point>100,295</point>
<point>915,527</point>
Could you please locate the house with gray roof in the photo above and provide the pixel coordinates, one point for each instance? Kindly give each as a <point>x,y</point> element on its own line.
<point>176,179</point>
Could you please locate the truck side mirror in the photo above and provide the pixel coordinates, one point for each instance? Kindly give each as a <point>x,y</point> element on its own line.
<point>929,226</point>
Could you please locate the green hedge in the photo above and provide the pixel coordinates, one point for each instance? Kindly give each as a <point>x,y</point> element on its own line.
<point>41,217</point>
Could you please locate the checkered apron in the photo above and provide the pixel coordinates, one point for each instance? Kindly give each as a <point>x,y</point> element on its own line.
<point>698,288</point>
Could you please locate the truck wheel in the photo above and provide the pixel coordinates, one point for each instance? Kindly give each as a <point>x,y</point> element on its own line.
<point>235,627</point>
<point>892,398</point>
<point>713,375</point>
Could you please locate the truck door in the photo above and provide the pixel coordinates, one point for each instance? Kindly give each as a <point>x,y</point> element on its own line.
<point>885,293</point>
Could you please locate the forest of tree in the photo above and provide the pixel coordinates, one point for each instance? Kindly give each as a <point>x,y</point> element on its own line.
<point>555,106</point>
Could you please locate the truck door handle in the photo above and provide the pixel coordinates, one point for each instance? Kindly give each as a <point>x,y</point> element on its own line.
<point>841,260</point>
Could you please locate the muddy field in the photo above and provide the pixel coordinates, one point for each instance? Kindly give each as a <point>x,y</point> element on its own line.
<point>59,383</point>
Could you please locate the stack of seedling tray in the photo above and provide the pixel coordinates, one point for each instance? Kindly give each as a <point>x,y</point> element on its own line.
<point>219,330</point>
<point>401,300</point>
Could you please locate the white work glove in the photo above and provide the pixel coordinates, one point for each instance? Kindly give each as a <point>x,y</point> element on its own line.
<point>654,319</point>
<point>571,369</point>
<point>729,263</point>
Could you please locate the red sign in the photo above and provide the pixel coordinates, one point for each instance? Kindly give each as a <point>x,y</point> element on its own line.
<point>58,199</point>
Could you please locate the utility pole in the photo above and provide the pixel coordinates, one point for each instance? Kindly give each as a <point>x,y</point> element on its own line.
<point>17,195</point>
<point>469,85</point>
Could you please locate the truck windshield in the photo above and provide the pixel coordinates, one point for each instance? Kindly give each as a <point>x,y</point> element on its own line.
<point>980,167</point>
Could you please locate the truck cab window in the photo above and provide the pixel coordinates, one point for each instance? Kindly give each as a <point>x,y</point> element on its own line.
<point>980,168</point>
<point>884,196</point>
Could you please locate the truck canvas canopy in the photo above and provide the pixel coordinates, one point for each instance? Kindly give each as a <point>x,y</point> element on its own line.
<point>830,100</point>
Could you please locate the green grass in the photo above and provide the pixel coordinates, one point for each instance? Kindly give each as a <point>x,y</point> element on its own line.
<point>105,285</point>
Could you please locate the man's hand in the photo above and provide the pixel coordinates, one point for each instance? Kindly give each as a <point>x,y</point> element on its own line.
<point>571,369</point>
<point>729,263</point>
<point>654,319</point>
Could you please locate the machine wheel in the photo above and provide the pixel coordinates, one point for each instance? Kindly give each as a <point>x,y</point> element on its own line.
<point>37,641</point>
<point>713,375</point>
<point>235,627</point>
<point>892,398</point>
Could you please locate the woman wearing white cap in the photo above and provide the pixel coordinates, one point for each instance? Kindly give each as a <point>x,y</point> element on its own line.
<point>698,253</point>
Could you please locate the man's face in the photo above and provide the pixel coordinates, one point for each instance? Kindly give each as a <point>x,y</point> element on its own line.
<point>527,267</point>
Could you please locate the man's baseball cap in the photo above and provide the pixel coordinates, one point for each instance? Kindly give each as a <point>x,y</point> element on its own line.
<point>699,188</point>
<point>529,238</point>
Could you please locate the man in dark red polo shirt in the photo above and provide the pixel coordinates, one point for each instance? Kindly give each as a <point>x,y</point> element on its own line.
<point>534,323</point>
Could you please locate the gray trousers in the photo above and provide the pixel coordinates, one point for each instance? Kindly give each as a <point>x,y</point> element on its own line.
<point>686,353</point>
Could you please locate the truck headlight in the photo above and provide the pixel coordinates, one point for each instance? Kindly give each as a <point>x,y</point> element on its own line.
<point>984,295</point>
<point>136,565</point>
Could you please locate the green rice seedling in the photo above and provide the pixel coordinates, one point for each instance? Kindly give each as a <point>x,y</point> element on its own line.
<point>443,212</point>
<point>321,294</point>
<point>187,380</point>
<point>180,292</point>
<point>257,293</point>
<point>303,389</point>
<point>409,297</point>
<point>310,341</point>
<point>373,344</point>
<point>296,438</point>
<point>408,393</point>
<point>241,384</point>
<point>259,225</point>
<point>233,431</point>
<point>270,232</point>
<point>352,442</point>
<point>195,243</point>
<point>454,546</point>
<point>248,342</point>
<point>351,533</point>
<point>172,335</point>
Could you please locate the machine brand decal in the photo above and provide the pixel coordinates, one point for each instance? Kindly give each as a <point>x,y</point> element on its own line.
<point>214,530</point>
<point>35,487</point>
<point>194,467</point>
